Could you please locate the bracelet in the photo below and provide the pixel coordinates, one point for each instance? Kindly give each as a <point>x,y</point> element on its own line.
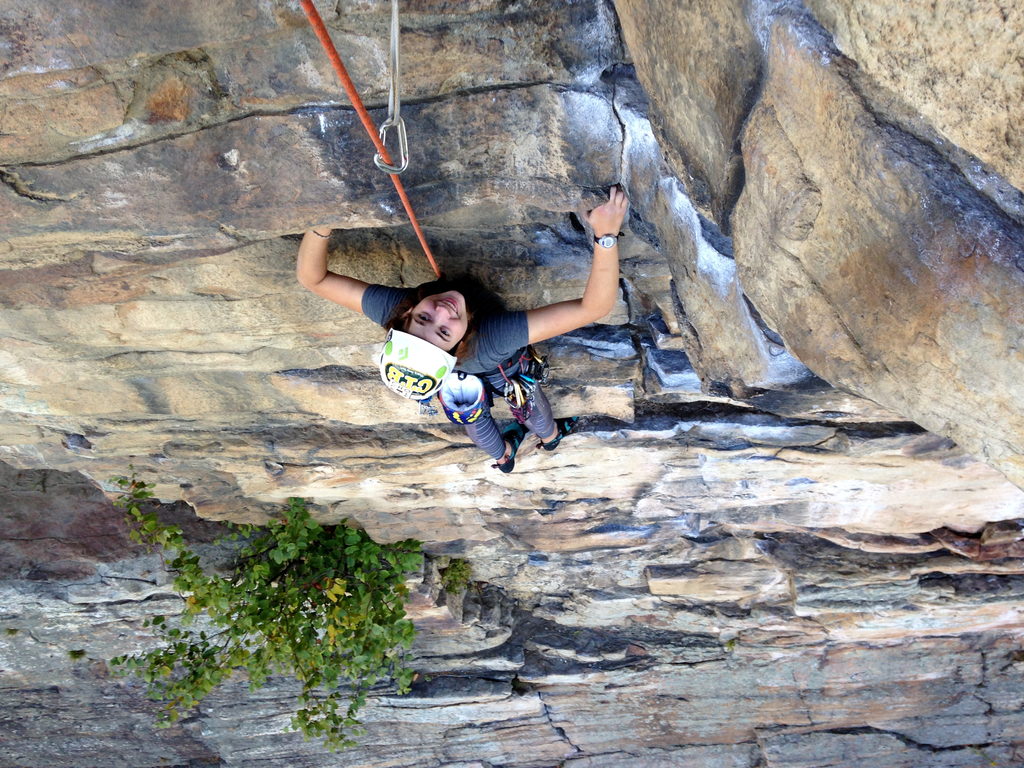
<point>325,237</point>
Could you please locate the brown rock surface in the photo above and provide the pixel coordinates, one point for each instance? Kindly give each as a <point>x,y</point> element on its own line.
<point>642,642</point>
<point>956,62</point>
<point>888,275</point>
<point>917,252</point>
<point>699,63</point>
<point>750,555</point>
<point>264,176</point>
<point>726,343</point>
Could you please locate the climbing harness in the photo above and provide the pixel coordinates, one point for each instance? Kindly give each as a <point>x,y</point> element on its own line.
<point>394,107</point>
<point>464,397</point>
<point>519,387</point>
<point>377,137</point>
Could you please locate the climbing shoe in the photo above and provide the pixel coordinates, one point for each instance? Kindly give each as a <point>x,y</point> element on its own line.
<point>565,426</point>
<point>513,435</point>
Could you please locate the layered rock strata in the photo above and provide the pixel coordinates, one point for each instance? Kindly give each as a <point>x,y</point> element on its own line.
<point>613,640</point>
<point>889,259</point>
<point>787,533</point>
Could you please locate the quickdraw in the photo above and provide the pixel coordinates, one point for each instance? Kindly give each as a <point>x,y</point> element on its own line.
<point>520,386</point>
<point>394,107</point>
<point>376,137</point>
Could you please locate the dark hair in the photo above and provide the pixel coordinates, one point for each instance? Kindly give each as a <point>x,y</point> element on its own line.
<point>479,303</point>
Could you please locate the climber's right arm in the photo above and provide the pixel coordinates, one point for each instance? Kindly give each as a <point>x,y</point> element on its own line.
<point>313,274</point>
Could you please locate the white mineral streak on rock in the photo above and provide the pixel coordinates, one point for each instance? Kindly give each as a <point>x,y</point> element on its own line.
<point>118,135</point>
<point>310,73</point>
<point>712,295</point>
<point>730,564</point>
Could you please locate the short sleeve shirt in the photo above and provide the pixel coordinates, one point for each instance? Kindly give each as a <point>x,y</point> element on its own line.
<point>501,336</point>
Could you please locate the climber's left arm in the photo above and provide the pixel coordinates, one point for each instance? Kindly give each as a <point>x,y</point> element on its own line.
<point>602,289</point>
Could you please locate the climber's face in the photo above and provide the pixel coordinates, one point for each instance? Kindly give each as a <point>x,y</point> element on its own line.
<point>440,319</point>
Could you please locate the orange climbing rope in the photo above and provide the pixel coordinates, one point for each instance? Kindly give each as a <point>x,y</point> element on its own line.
<point>350,90</point>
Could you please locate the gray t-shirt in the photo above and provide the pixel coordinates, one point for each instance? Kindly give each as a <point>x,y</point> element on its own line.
<point>501,336</point>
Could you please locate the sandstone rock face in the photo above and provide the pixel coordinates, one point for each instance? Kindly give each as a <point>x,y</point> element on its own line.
<point>860,224</point>
<point>699,63</point>
<point>956,63</point>
<point>898,248</point>
<point>262,176</point>
<point>788,530</point>
<point>724,339</point>
<point>592,637</point>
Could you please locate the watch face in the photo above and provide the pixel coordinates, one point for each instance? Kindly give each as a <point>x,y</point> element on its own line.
<point>606,241</point>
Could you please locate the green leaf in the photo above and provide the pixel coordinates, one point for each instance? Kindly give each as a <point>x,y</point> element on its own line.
<point>350,631</point>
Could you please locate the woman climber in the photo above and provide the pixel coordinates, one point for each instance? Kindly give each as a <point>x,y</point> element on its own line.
<point>447,337</point>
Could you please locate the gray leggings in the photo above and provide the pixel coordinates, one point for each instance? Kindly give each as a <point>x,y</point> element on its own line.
<point>485,434</point>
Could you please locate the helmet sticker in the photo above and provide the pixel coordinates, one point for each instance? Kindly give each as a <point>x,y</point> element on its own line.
<point>416,383</point>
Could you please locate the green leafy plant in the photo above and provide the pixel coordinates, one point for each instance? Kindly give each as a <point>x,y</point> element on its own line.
<point>456,576</point>
<point>322,603</point>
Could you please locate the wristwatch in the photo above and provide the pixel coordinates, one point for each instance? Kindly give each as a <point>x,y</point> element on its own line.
<point>607,241</point>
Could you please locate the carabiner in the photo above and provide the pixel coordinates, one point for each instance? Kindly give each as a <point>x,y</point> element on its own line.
<point>403,147</point>
<point>394,106</point>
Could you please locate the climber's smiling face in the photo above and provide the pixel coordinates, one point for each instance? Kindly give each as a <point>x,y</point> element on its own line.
<point>440,319</point>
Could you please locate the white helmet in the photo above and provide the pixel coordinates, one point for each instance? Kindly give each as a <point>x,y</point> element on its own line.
<point>412,367</point>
